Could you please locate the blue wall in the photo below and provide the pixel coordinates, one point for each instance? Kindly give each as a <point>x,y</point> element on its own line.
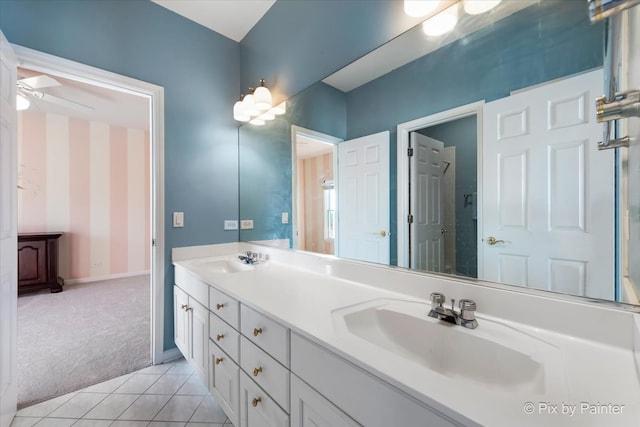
<point>547,41</point>
<point>199,70</point>
<point>462,134</point>
<point>298,43</point>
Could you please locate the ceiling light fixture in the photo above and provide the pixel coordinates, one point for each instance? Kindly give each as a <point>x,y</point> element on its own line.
<point>441,23</point>
<point>476,7</point>
<point>22,103</point>
<point>418,8</point>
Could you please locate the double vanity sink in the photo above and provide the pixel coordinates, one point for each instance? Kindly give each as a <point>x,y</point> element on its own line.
<point>344,320</point>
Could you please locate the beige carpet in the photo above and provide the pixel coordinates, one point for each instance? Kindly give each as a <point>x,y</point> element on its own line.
<point>84,335</point>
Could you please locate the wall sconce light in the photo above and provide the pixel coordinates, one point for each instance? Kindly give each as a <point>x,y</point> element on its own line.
<point>441,23</point>
<point>22,103</point>
<point>418,8</point>
<point>256,107</point>
<point>476,7</point>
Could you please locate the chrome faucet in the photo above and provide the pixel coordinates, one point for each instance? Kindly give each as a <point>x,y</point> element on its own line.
<point>466,317</point>
<point>249,257</point>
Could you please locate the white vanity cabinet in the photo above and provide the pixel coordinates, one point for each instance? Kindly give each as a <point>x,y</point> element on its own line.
<point>310,409</point>
<point>364,397</point>
<point>224,382</point>
<point>264,377</point>
<point>191,322</point>
<point>224,353</point>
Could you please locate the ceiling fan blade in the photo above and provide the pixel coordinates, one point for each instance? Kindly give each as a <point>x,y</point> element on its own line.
<point>40,82</point>
<point>62,102</point>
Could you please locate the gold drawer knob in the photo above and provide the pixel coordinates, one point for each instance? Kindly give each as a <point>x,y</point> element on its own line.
<point>219,337</point>
<point>256,371</point>
<point>257,331</point>
<point>255,401</point>
<point>219,360</point>
<point>219,306</point>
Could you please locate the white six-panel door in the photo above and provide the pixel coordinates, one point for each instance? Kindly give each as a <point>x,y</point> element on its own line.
<point>8,233</point>
<point>548,191</point>
<point>427,230</point>
<point>363,198</point>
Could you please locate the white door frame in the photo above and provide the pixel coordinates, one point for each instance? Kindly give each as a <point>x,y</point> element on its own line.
<point>45,63</point>
<point>323,137</point>
<point>404,129</point>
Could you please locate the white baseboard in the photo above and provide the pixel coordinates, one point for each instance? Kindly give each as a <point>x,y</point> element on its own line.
<point>109,277</point>
<point>171,355</point>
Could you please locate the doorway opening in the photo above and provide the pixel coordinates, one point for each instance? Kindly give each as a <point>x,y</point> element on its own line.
<point>439,193</point>
<point>314,218</point>
<point>443,197</point>
<point>128,242</point>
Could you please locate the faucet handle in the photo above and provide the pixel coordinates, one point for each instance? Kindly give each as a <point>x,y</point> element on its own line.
<point>437,298</point>
<point>467,305</point>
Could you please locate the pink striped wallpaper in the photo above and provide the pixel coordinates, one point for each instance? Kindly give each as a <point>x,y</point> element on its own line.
<point>311,172</point>
<point>91,181</point>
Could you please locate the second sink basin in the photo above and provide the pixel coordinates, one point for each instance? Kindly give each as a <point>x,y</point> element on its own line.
<point>494,354</point>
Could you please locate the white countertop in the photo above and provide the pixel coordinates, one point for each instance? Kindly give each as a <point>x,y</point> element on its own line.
<point>596,375</point>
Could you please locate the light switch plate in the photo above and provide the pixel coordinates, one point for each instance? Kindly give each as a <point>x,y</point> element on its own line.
<point>285,217</point>
<point>178,219</point>
<point>246,224</point>
<point>230,224</point>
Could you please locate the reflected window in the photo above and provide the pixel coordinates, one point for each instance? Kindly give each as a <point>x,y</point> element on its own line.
<point>329,210</point>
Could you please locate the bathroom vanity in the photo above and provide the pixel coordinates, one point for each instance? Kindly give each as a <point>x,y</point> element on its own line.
<point>298,339</point>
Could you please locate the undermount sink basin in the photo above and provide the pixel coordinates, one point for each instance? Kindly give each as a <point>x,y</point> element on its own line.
<point>494,354</point>
<point>227,265</point>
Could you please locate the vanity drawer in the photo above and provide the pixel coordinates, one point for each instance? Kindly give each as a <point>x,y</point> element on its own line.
<point>266,371</point>
<point>223,306</point>
<point>265,333</point>
<point>257,409</point>
<point>225,336</point>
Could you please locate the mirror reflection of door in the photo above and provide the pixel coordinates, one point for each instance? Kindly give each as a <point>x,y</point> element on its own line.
<point>443,197</point>
<point>314,216</point>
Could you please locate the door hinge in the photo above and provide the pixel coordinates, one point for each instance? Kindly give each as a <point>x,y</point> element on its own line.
<point>410,152</point>
<point>410,219</point>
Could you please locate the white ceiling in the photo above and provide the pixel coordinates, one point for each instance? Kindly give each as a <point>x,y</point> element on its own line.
<point>307,147</point>
<point>231,18</point>
<point>106,105</point>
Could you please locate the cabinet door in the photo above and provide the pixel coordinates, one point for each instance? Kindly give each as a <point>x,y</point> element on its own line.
<point>224,382</point>
<point>199,339</point>
<point>310,409</point>
<point>257,409</point>
<point>181,321</point>
<point>32,262</point>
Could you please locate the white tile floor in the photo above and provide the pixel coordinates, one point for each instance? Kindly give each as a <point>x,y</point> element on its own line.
<point>168,395</point>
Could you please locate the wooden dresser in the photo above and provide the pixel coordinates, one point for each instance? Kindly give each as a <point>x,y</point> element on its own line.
<point>38,262</point>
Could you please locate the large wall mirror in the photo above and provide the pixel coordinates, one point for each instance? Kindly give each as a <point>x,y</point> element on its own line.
<point>474,154</point>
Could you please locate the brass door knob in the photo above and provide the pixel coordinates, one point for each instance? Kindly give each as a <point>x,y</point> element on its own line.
<point>219,306</point>
<point>257,331</point>
<point>255,401</point>
<point>219,360</point>
<point>256,371</point>
<point>219,337</point>
<point>492,241</point>
<point>381,233</point>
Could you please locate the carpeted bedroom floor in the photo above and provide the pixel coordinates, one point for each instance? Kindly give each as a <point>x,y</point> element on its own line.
<point>84,335</point>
